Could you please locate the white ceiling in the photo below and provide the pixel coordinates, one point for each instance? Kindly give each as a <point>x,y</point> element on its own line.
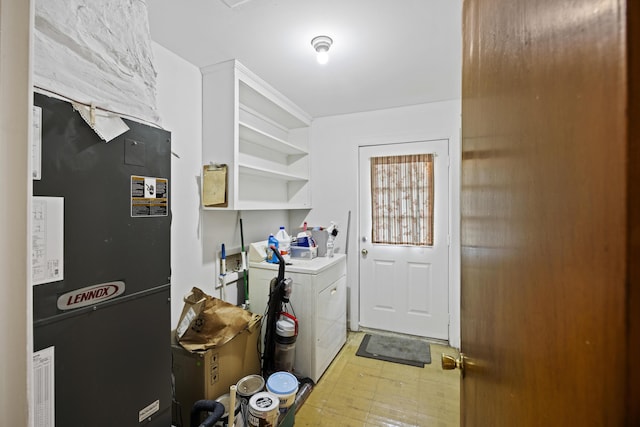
<point>386,53</point>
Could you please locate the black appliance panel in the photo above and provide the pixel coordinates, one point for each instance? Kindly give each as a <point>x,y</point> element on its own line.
<point>111,362</point>
<point>102,241</point>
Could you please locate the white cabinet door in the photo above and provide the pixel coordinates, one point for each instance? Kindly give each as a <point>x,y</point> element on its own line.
<point>331,329</point>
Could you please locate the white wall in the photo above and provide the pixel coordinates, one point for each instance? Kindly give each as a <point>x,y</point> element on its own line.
<point>196,235</point>
<point>96,52</point>
<point>224,227</point>
<point>179,106</point>
<point>15,186</point>
<point>334,177</point>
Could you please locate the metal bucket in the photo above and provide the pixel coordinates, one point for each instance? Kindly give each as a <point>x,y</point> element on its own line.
<point>248,386</point>
<point>264,410</point>
<point>245,388</point>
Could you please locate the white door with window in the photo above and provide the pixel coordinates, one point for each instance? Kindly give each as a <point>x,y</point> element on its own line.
<point>403,236</point>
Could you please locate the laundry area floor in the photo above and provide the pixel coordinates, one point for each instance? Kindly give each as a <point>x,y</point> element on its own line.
<point>358,391</point>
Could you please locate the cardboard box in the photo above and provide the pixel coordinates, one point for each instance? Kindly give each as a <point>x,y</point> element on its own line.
<point>209,374</point>
<point>207,322</point>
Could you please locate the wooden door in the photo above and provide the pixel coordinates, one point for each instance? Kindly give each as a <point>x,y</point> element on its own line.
<point>405,288</point>
<point>548,213</point>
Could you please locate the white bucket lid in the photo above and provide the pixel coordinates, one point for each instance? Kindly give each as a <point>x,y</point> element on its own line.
<point>264,402</point>
<point>282,383</point>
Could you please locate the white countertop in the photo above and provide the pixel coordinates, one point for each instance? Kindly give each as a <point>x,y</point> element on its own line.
<point>299,265</point>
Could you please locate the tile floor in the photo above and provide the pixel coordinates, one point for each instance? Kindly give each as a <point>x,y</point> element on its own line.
<point>357,391</point>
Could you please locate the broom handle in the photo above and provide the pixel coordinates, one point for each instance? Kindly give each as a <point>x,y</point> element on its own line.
<point>245,270</point>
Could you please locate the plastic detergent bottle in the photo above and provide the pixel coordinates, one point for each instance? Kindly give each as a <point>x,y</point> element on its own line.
<point>270,256</point>
<point>284,242</point>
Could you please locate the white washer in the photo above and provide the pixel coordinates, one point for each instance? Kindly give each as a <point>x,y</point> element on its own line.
<point>319,300</point>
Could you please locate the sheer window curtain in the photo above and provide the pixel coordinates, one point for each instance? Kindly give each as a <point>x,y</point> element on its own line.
<point>402,199</point>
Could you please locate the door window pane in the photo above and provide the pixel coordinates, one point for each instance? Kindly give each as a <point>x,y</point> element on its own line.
<point>402,199</point>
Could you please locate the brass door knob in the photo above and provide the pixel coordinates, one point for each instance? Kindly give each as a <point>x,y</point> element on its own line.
<point>450,362</point>
<point>365,252</point>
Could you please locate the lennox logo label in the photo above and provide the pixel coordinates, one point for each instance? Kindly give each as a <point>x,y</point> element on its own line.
<point>90,295</point>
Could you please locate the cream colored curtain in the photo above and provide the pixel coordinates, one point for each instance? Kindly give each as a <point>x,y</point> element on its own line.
<point>402,199</point>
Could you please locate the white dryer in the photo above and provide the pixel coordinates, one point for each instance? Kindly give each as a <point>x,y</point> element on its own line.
<point>319,300</point>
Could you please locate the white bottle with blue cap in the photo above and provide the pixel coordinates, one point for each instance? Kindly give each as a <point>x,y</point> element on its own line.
<point>284,243</point>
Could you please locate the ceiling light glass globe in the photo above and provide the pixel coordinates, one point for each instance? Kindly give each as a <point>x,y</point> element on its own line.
<point>323,57</point>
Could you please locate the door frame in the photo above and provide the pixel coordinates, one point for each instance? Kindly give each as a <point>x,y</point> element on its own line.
<point>455,154</point>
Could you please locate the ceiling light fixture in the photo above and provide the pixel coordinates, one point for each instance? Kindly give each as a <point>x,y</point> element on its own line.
<point>322,44</point>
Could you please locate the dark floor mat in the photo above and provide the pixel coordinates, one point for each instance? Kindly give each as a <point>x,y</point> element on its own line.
<point>408,351</point>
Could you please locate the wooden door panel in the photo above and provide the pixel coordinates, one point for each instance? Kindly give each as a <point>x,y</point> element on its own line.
<point>543,211</point>
<point>633,220</point>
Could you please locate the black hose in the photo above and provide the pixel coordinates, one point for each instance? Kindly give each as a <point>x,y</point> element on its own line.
<point>281,263</point>
<point>216,409</point>
<point>274,306</point>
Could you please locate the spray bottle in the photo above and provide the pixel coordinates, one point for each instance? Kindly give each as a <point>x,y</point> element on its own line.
<point>333,232</point>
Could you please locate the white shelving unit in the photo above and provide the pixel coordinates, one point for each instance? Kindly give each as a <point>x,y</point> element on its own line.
<point>260,134</point>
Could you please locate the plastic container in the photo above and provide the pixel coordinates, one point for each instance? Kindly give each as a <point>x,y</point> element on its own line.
<point>270,256</point>
<point>304,252</point>
<point>285,345</point>
<point>302,394</point>
<point>284,242</point>
<point>263,410</point>
<point>304,239</point>
<point>285,386</point>
<point>330,246</point>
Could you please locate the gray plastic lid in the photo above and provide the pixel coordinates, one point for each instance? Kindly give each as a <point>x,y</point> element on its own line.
<point>285,328</point>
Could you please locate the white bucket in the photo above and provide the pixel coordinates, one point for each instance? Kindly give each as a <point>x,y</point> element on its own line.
<point>285,386</point>
<point>263,410</point>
